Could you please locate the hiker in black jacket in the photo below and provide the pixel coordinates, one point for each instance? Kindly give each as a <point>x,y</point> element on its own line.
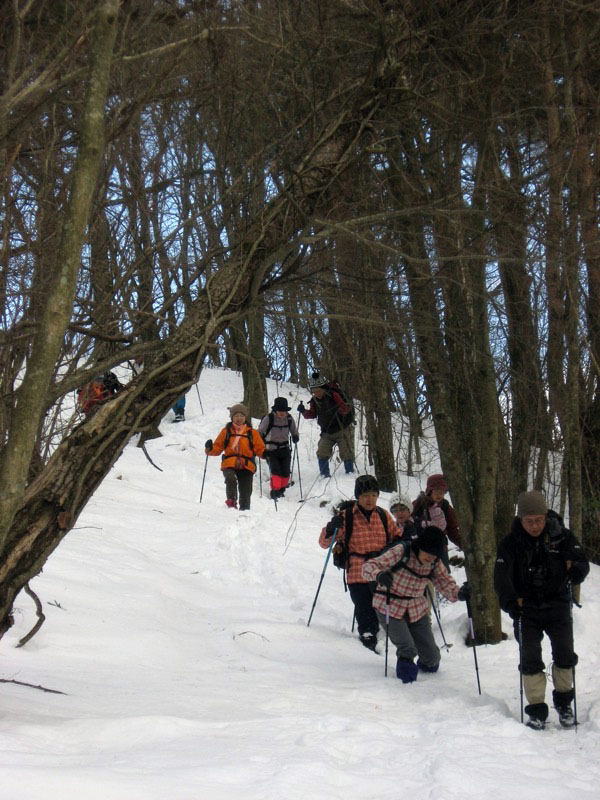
<point>535,567</point>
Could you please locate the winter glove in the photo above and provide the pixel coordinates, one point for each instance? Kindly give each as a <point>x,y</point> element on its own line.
<point>301,407</point>
<point>575,575</point>
<point>385,579</point>
<point>515,611</point>
<point>464,593</point>
<point>333,525</point>
<point>295,439</point>
<point>208,444</point>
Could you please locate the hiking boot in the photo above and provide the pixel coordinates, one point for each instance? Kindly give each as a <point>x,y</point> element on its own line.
<point>426,667</point>
<point>536,724</point>
<point>566,717</point>
<point>406,670</point>
<point>538,714</point>
<point>369,640</point>
<point>231,503</point>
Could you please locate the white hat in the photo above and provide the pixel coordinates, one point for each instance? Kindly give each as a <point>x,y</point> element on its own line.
<point>400,500</point>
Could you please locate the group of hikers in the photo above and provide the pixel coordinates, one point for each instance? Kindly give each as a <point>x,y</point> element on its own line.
<point>239,444</point>
<point>394,559</point>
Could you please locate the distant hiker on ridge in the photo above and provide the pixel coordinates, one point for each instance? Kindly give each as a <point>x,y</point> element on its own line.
<point>335,416</point>
<point>276,428</point>
<point>239,445</point>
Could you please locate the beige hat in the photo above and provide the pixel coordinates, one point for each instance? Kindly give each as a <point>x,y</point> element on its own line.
<point>238,408</point>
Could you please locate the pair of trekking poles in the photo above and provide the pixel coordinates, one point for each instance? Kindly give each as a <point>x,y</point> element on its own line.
<point>387,616</point>
<point>294,459</point>
<point>520,643</point>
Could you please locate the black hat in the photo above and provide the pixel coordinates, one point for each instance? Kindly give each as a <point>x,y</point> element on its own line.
<point>432,540</point>
<point>280,404</point>
<point>365,483</point>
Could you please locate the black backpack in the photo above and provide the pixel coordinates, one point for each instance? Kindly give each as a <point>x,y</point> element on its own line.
<point>272,422</point>
<point>341,549</point>
<point>250,441</point>
<point>350,417</point>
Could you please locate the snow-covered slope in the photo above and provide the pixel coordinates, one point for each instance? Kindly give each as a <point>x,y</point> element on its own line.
<point>177,633</point>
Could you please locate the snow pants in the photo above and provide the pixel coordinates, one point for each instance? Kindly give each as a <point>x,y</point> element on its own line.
<point>554,620</point>
<point>413,639</point>
<point>344,439</point>
<point>241,478</point>
<point>279,464</point>
<point>366,618</point>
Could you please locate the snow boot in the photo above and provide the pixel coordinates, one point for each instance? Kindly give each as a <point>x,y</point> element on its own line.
<point>179,417</point>
<point>426,667</point>
<point>538,714</point>
<point>231,503</point>
<point>324,467</point>
<point>406,670</point>
<point>562,703</point>
<point>369,640</point>
<point>349,466</point>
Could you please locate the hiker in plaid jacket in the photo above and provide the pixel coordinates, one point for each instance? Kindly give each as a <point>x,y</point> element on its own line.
<point>401,584</point>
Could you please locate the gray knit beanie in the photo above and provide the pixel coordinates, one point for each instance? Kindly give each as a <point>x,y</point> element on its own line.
<point>241,409</point>
<point>531,504</point>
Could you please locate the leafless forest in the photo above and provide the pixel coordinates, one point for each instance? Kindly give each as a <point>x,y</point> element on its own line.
<point>401,193</point>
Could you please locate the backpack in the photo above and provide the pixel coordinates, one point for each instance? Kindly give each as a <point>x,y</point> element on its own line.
<point>341,550</point>
<point>111,383</point>
<point>333,386</point>
<point>250,441</point>
<point>272,422</point>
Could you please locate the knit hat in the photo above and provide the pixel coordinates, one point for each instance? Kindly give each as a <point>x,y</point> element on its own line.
<point>399,500</point>
<point>316,381</point>
<point>531,504</point>
<point>436,482</point>
<point>280,404</point>
<point>432,540</point>
<point>238,408</point>
<point>365,483</point>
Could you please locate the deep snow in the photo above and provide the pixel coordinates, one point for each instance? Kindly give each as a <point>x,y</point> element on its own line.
<point>177,632</point>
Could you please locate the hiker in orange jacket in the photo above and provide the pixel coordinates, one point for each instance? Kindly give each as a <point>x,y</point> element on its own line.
<point>239,445</point>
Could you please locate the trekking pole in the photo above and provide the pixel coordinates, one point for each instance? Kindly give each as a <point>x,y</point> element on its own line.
<point>260,476</point>
<point>520,638</point>
<point>437,616</point>
<point>470,616</point>
<point>200,399</point>
<point>203,477</point>
<point>571,601</point>
<point>299,476</point>
<point>388,599</point>
<point>322,575</point>
<point>295,448</point>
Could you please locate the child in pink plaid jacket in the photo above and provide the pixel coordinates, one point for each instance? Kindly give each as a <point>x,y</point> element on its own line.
<point>403,590</point>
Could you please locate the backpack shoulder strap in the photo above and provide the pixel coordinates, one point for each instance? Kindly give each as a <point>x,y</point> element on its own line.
<point>227,435</point>
<point>384,522</point>
<point>271,423</point>
<point>348,525</point>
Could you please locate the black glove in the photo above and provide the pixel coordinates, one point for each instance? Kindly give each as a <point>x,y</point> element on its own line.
<point>301,408</point>
<point>295,439</point>
<point>385,579</point>
<point>464,593</point>
<point>333,525</point>
<point>515,611</point>
<point>208,444</point>
<point>575,575</point>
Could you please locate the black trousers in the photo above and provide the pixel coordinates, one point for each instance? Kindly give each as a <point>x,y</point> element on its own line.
<point>362,597</point>
<point>554,620</point>
<point>279,461</point>
<point>242,478</point>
